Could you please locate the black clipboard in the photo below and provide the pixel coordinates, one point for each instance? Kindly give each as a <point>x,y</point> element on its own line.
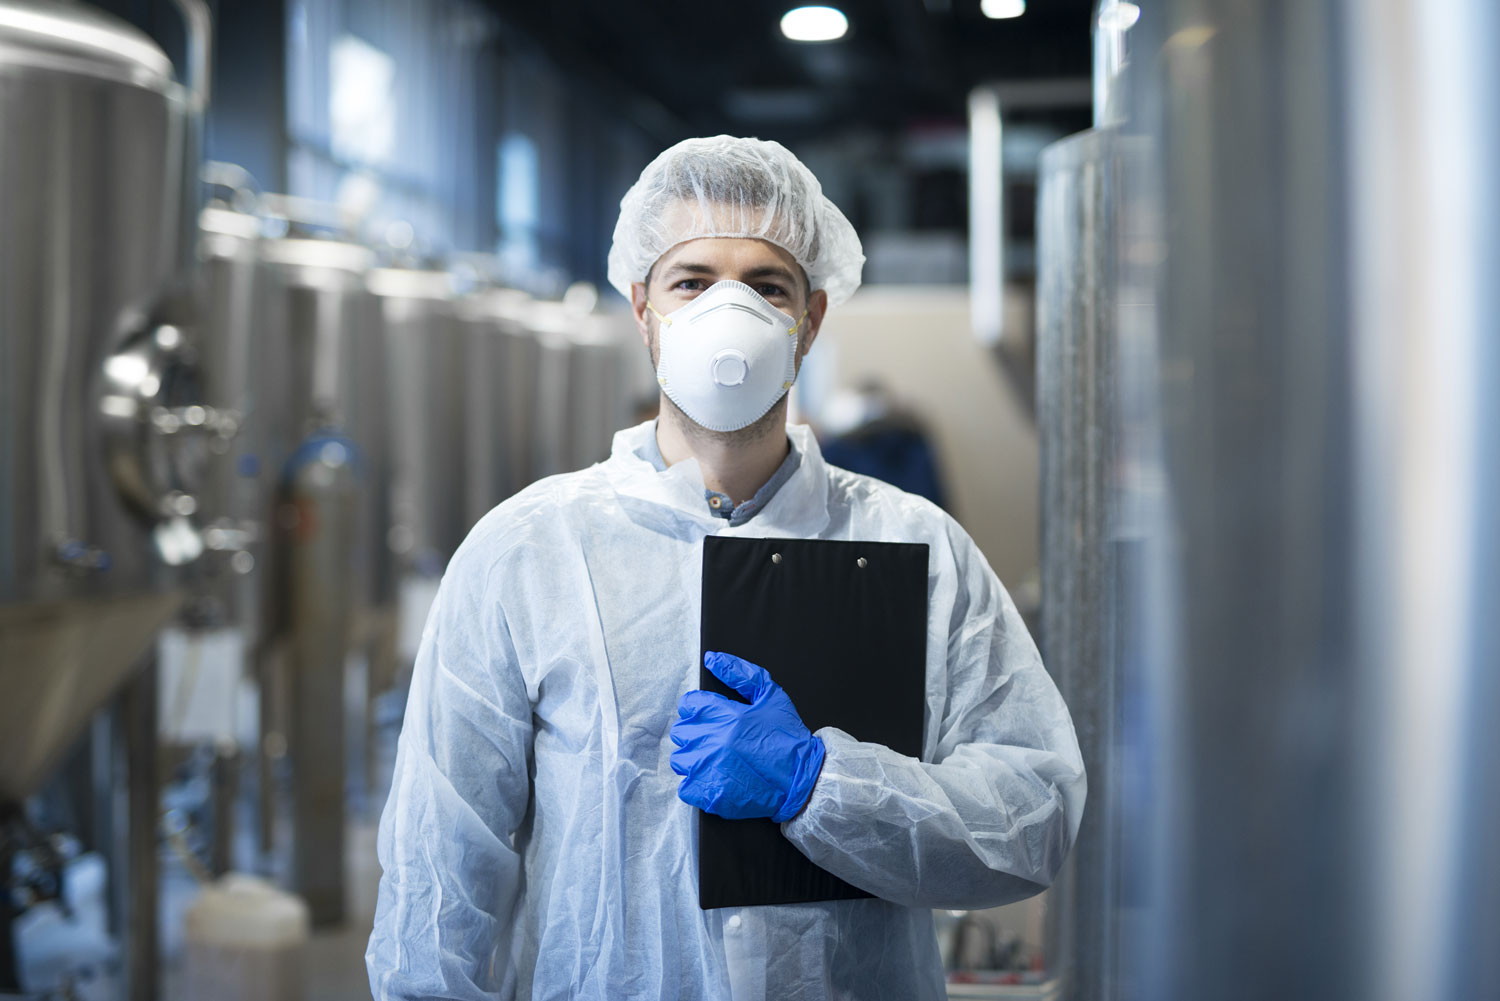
<point>842,627</point>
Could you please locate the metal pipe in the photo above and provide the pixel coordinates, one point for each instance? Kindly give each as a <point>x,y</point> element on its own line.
<point>199,28</point>
<point>986,217</point>
<point>318,505</point>
<point>139,876</point>
<point>1112,19</point>
<point>225,793</point>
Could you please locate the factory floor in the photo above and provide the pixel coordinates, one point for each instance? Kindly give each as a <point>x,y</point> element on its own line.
<point>334,967</point>
<point>335,961</point>
<point>336,957</point>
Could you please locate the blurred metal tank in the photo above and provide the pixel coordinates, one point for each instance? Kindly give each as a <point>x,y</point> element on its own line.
<point>315,329</point>
<point>313,311</point>
<point>103,431</point>
<point>233,506</point>
<point>425,346</point>
<point>319,365</point>
<point>1086,543</point>
<point>600,394</point>
<point>315,540</point>
<point>582,386</point>
<point>503,359</point>
<point>1305,427</point>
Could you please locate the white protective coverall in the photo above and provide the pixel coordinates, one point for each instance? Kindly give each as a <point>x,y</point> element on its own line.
<point>533,844</point>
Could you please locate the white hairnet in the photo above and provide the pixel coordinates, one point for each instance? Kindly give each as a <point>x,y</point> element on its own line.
<point>724,186</point>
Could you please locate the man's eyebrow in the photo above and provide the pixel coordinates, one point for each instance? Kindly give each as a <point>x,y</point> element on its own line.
<point>688,269</point>
<point>772,271</point>
<point>777,271</point>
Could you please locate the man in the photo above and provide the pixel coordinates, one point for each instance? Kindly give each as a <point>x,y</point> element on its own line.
<point>539,840</point>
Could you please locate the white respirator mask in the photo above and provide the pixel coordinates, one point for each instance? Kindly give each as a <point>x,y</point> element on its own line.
<point>727,357</point>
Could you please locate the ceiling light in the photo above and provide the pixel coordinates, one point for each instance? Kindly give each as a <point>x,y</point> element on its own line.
<point>1002,8</point>
<point>814,24</point>
<point>1119,17</point>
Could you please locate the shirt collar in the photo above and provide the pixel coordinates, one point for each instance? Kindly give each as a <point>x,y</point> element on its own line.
<point>719,504</point>
<point>796,507</point>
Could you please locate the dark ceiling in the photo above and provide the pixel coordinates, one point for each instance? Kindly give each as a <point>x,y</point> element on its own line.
<point>700,68</point>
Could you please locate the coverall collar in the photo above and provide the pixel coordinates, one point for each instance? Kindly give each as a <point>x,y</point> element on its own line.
<point>798,510</point>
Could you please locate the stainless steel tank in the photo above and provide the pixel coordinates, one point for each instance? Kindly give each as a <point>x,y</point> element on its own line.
<point>601,352</point>
<point>233,506</point>
<point>319,365</point>
<point>313,310</point>
<point>582,386</point>
<point>425,346</point>
<point>315,439</point>
<point>315,539</point>
<point>102,429</point>
<point>1087,541</point>
<point>1305,434</point>
<point>503,356</point>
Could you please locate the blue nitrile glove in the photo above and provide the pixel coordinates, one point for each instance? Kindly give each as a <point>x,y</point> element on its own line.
<point>738,760</point>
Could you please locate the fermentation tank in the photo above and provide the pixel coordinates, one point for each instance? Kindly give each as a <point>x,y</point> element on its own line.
<point>1087,541</point>
<point>1273,378</point>
<point>230,291</point>
<point>500,396</point>
<point>600,400</point>
<point>315,329</point>
<point>582,385</point>
<point>315,342</point>
<point>103,432</point>
<point>425,345</point>
<point>313,308</point>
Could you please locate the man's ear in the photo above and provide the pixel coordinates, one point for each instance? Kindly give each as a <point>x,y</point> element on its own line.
<point>638,308</point>
<point>817,306</point>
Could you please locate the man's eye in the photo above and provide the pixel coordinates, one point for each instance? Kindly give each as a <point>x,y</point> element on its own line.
<point>689,285</point>
<point>770,291</point>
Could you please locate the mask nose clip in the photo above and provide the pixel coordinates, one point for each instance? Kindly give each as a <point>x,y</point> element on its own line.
<point>729,368</point>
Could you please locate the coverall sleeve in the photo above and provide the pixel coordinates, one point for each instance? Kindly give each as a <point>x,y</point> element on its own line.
<point>451,874</point>
<point>990,819</point>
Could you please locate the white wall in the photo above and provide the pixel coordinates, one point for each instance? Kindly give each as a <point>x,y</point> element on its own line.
<point>916,340</point>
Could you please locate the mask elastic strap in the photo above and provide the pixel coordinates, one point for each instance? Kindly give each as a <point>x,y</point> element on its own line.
<point>664,319</point>
<point>792,332</point>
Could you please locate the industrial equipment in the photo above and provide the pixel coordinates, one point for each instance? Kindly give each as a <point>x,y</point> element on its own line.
<point>427,380</point>
<point>500,395</point>
<point>1269,357</point>
<point>202,655</point>
<point>1084,546</point>
<point>228,245</point>
<point>102,443</point>
<point>104,427</point>
<point>315,539</point>
<point>583,384</point>
<point>314,323</point>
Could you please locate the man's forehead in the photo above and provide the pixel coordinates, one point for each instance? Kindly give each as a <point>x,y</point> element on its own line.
<point>726,252</point>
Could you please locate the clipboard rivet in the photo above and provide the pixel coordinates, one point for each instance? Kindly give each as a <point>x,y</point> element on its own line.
<point>861,562</point>
<point>775,557</point>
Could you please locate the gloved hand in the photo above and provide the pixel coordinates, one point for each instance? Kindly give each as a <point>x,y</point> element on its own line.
<point>738,760</point>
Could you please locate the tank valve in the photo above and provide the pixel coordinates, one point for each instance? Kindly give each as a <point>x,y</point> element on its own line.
<point>80,557</point>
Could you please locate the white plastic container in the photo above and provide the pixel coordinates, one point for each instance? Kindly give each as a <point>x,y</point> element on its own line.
<point>245,941</point>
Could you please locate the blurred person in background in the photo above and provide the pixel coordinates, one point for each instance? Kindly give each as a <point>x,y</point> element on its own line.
<point>539,839</point>
<point>867,430</point>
